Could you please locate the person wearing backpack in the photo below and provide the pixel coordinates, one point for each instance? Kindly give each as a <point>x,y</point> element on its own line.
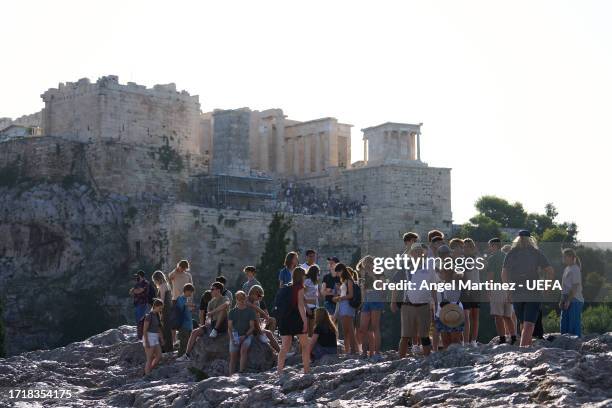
<point>164,293</point>
<point>139,293</point>
<point>151,335</point>
<point>346,312</point>
<point>292,321</point>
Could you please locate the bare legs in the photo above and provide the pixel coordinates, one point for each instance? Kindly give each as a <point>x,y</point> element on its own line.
<point>154,355</point>
<point>286,346</point>
<point>350,344</point>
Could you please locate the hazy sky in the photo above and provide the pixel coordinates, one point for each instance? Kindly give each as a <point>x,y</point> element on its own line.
<point>515,97</point>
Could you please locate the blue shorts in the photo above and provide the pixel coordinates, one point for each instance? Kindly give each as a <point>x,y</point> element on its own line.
<point>368,307</point>
<point>331,307</point>
<point>345,309</point>
<point>235,348</point>
<point>527,311</point>
<point>442,328</point>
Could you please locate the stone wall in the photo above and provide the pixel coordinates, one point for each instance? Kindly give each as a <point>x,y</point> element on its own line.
<point>109,167</point>
<point>399,198</point>
<point>222,242</point>
<point>133,114</point>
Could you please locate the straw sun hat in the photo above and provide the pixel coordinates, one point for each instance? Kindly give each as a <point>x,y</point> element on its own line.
<point>451,315</point>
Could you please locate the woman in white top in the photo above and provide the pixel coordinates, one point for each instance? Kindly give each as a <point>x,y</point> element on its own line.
<point>571,300</point>
<point>311,295</point>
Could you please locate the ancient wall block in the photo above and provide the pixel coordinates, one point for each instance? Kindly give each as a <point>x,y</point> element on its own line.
<point>132,114</point>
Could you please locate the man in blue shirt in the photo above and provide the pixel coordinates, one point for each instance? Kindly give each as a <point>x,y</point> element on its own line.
<point>184,303</point>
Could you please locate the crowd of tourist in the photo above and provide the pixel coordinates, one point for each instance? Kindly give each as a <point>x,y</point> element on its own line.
<point>344,303</point>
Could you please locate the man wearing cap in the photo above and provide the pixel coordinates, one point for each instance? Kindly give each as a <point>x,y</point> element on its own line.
<point>501,308</point>
<point>330,285</point>
<point>523,263</point>
<point>139,292</point>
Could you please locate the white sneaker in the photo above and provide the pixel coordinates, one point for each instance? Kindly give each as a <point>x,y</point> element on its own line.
<point>264,339</point>
<point>474,343</point>
<point>213,334</point>
<point>184,357</point>
<point>416,349</point>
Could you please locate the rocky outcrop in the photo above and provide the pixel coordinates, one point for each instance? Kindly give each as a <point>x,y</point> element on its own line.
<point>211,356</point>
<point>106,371</point>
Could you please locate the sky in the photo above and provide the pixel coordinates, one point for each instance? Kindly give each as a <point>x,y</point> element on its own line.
<point>515,97</point>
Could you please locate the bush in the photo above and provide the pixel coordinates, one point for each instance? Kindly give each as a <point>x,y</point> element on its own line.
<point>597,319</point>
<point>551,322</point>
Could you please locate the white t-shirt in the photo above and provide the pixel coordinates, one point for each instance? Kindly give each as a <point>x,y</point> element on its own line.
<point>572,276</point>
<point>305,266</point>
<point>417,295</point>
<point>178,280</point>
<point>311,290</point>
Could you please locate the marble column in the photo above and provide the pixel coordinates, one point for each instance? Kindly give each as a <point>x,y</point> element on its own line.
<point>419,146</point>
<point>307,142</point>
<point>296,155</point>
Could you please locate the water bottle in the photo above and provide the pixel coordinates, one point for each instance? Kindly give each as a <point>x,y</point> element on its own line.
<point>236,337</point>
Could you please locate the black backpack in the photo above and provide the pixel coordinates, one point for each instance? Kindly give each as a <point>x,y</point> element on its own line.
<point>355,301</point>
<point>151,293</point>
<point>176,317</point>
<point>282,302</point>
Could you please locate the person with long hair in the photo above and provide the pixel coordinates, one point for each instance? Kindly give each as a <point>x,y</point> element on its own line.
<point>311,293</point>
<point>285,274</point>
<point>325,337</point>
<point>164,293</point>
<point>372,307</point>
<point>346,313</point>
<point>523,263</point>
<point>572,300</point>
<point>151,336</point>
<point>294,323</point>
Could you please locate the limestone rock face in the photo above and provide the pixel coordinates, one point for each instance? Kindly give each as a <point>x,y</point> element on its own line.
<point>212,355</point>
<point>106,371</point>
<point>63,250</point>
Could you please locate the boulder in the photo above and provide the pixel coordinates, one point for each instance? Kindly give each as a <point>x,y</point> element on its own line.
<point>207,354</point>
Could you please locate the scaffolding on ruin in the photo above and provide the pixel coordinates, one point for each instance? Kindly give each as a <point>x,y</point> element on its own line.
<point>235,192</point>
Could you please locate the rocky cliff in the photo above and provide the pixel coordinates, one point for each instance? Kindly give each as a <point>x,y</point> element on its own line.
<point>105,371</point>
<point>63,250</point>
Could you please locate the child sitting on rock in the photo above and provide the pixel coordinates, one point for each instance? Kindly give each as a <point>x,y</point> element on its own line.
<point>325,335</point>
<point>255,301</point>
<point>241,326</point>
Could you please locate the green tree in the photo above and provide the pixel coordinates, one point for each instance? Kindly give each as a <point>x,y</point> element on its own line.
<point>274,254</point>
<point>481,228</point>
<point>500,210</point>
<point>555,234</point>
